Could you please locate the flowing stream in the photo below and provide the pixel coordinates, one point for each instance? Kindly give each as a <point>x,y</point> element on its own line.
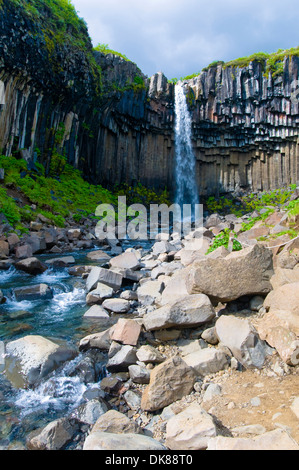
<point>185,169</point>
<point>60,319</point>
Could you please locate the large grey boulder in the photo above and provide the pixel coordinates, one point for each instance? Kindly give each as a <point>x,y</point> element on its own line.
<point>169,382</point>
<point>32,358</point>
<point>34,292</point>
<point>127,260</point>
<point>206,361</point>
<point>31,266</point>
<point>115,422</point>
<point>245,272</point>
<point>99,440</point>
<point>55,436</point>
<point>279,439</point>
<point>124,358</point>
<point>189,311</point>
<point>190,430</point>
<point>105,276</point>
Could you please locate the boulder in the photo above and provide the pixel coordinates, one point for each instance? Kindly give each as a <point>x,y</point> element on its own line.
<point>285,341</point>
<point>4,248</point>
<point>243,340</point>
<point>278,439</point>
<point>126,332</point>
<point>284,276</point>
<point>89,412</point>
<point>32,358</point>
<point>96,341</point>
<point>207,361</point>
<point>169,382</point>
<point>99,255</point>
<point>31,266</point>
<point>61,262</point>
<point>150,292</point>
<point>127,260</point>
<point>96,311</point>
<point>99,294</point>
<point>162,247</point>
<point>189,311</point>
<point>124,358</point>
<point>245,272</point>
<point>116,423</point>
<point>139,374</point>
<point>127,442</point>
<point>23,251</point>
<point>283,303</point>
<point>190,430</point>
<point>117,305</point>
<point>176,288</point>
<point>55,436</point>
<point>34,292</point>
<point>149,355</point>
<point>105,276</point>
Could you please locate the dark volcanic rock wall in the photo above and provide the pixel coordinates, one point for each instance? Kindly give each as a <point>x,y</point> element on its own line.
<point>245,127</point>
<point>116,125</point>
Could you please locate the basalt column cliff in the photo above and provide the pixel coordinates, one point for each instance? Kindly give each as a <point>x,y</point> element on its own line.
<point>116,125</point>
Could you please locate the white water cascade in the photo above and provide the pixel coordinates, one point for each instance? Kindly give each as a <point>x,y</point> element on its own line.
<point>185,166</point>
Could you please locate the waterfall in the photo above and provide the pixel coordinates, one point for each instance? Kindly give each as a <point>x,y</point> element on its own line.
<point>185,166</point>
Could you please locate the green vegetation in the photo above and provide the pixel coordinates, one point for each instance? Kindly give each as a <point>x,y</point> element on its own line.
<point>273,62</point>
<point>223,240</point>
<point>60,196</point>
<point>105,49</point>
<point>55,24</point>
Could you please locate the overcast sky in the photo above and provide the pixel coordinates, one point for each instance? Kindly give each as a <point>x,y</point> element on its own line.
<point>180,37</point>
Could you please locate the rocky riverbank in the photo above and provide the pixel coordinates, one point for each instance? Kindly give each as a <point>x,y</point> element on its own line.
<point>192,350</point>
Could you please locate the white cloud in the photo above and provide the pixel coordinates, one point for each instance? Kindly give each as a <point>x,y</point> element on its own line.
<point>181,37</point>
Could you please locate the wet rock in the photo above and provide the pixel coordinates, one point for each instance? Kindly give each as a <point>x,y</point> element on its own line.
<point>127,260</point>
<point>100,341</point>
<point>99,256</point>
<point>32,358</point>
<point>55,436</point>
<point>61,262</point>
<point>190,430</point>
<point>2,357</point>
<point>111,385</point>
<point>89,412</point>
<point>245,272</point>
<point>34,292</point>
<point>105,276</point>
<point>192,310</point>
<point>31,266</point>
<point>128,442</point>
<point>170,381</point>
<point>117,305</point>
<point>99,294</point>
<point>96,311</point>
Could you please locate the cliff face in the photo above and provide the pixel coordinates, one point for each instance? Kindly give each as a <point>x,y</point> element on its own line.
<point>245,127</point>
<point>117,125</point>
